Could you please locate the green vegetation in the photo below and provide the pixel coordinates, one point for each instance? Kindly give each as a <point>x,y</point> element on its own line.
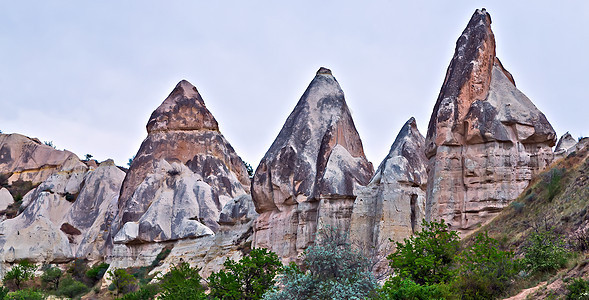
<point>578,290</point>
<point>545,253</point>
<point>182,282</point>
<point>249,169</point>
<point>51,277</point>
<point>248,279</point>
<point>26,294</point>
<point>71,288</point>
<point>122,282</point>
<point>19,274</point>
<point>97,272</point>
<point>331,270</point>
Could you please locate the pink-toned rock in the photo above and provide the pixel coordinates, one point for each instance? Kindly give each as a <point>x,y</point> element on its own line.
<point>28,159</point>
<point>308,177</point>
<point>485,138</point>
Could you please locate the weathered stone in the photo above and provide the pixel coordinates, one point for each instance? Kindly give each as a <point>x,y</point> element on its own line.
<point>392,205</point>
<point>485,138</point>
<point>5,199</point>
<point>308,176</point>
<point>183,175</point>
<point>566,144</point>
<point>28,159</point>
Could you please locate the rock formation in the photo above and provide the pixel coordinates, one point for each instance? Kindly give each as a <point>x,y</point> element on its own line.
<point>566,144</point>
<point>392,205</point>
<point>485,138</point>
<point>5,199</point>
<point>309,175</point>
<point>28,159</point>
<point>183,175</point>
<point>64,214</point>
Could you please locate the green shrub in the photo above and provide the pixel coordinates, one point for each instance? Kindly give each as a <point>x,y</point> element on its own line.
<point>19,274</point>
<point>182,282</point>
<point>146,292</point>
<point>427,257</point>
<point>249,278</point>
<point>97,272</point>
<point>71,288</point>
<point>78,269</point>
<point>554,186</point>
<point>122,281</point>
<point>485,271</point>
<point>402,289</point>
<point>332,270</point>
<point>3,292</point>
<point>51,277</point>
<point>578,290</point>
<point>544,253</point>
<point>26,294</point>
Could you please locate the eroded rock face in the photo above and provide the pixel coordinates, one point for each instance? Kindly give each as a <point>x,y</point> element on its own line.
<point>62,214</point>
<point>566,144</point>
<point>5,199</point>
<point>182,177</point>
<point>485,138</point>
<point>392,205</point>
<point>28,159</point>
<point>308,176</point>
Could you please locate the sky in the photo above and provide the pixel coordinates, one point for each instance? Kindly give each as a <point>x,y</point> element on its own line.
<point>86,75</point>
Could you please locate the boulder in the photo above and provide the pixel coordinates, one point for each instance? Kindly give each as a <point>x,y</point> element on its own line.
<point>182,177</point>
<point>392,205</point>
<point>28,159</point>
<point>485,138</point>
<point>308,177</point>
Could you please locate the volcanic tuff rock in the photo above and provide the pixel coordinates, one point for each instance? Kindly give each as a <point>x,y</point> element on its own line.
<point>308,176</point>
<point>51,228</point>
<point>28,159</point>
<point>183,175</point>
<point>485,138</point>
<point>5,199</point>
<point>565,145</point>
<point>392,205</point>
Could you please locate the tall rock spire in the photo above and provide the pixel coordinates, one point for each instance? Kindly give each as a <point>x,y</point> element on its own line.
<point>485,138</point>
<point>307,177</point>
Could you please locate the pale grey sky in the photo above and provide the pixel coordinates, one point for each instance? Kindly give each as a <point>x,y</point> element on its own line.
<point>87,74</point>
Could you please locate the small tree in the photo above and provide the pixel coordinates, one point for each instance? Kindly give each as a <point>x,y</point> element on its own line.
<point>89,156</point>
<point>249,278</point>
<point>52,276</point>
<point>182,282</point>
<point>333,270</point>
<point>122,281</point>
<point>249,169</point>
<point>427,257</point>
<point>544,253</point>
<point>19,274</point>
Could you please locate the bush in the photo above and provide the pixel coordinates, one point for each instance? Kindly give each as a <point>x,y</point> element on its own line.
<point>147,292</point>
<point>553,187</point>
<point>122,282</point>
<point>51,277</point>
<point>78,269</point>
<point>182,282</point>
<point>401,289</point>
<point>545,253</point>
<point>485,271</point>
<point>97,272</point>
<point>427,257</point>
<point>578,290</point>
<point>3,292</point>
<point>26,294</point>
<point>71,288</point>
<point>19,274</point>
<point>249,278</point>
<point>333,270</point>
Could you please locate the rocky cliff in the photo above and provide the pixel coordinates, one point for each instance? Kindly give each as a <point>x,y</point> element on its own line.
<point>308,177</point>
<point>182,177</point>
<point>392,205</point>
<point>485,138</point>
<point>28,159</point>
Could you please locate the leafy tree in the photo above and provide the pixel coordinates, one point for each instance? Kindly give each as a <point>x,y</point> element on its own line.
<point>97,272</point>
<point>402,289</point>
<point>427,258</point>
<point>249,169</point>
<point>3,292</point>
<point>130,161</point>
<point>52,276</point>
<point>122,281</point>
<point>71,288</point>
<point>332,270</point>
<point>182,282</point>
<point>146,292</point>
<point>485,271</point>
<point>544,253</point>
<point>26,294</point>
<point>578,290</point>
<point>88,156</point>
<point>19,274</point>
<point>248,279</point>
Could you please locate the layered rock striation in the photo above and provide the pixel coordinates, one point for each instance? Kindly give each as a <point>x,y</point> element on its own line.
<point>308,177</point>
<point>485,138</point>
<point>392,205</point>
<point>28,159</point>
<point>183,175</point>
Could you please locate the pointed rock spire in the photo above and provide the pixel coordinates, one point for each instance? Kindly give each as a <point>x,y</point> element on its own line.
<point>485,138</point>
<point>311,168</point>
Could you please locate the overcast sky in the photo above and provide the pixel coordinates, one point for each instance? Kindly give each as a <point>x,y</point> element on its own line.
<point>87,74</point>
